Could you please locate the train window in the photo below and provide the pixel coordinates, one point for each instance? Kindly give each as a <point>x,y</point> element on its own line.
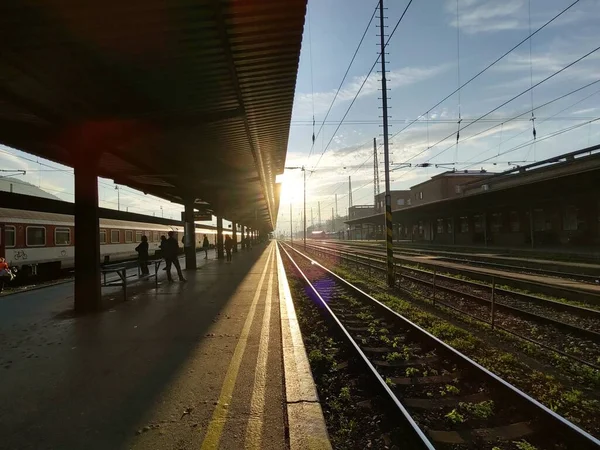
<point>440,226</point>
<point>464,224</point>
<point>103,236</point>
<point>449,226</point>
<point>128,236</point>
<point>138,236</point>
<point>10,235</point>
<point>497,222</point>
<point>515,222</point>
<point>156,236</point>
<point>62,236</point>
<point>36,236</point>
<point>570,218</point>
<point>115,236</point>
<point>478,223</point>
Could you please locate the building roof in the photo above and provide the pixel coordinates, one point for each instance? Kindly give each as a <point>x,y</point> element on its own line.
<point>456,174</point>
<point>11,184</point>
<point>395,191</point>
<point>185,99</point>
<point>571,171</point>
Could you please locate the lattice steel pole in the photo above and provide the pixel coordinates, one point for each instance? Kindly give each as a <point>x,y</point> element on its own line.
<point>386,153</point>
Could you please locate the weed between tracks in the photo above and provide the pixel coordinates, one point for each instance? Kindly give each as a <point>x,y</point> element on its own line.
<point>355,417</point>
<point>578,405</point>
<point>505,287</point>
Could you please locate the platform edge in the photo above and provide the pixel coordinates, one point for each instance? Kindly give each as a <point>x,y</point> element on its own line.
<point>306,423</point>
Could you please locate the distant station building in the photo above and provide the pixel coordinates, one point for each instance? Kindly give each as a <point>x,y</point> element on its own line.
<point>445,185</point>
<point>553,203</point>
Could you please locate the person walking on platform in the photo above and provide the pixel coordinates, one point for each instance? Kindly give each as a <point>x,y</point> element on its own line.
<point>205,246</point>
<point>228,247</point>
<point>142,250</point>
<point>170,249</point>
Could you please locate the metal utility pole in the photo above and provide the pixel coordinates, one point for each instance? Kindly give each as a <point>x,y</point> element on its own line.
<point>312,220</point>
<point>291,225</point>
<point>304,210</point>
<point>319,214</point>
<point>332,221</point>
<point>386,155</point>
<point>375,172</point>
<point>349,192</point>
<point>336,211</point>
<point>118,197</point>
<point>303,221</point>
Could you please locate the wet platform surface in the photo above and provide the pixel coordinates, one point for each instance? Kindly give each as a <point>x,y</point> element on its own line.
<point>189,365</point>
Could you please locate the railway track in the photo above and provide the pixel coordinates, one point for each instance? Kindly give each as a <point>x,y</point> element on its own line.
<point>447,400</point>
<point>471,261</point>
<point>561,327</point>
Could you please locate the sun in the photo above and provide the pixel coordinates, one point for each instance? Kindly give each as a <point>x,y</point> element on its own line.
<point>292,187</point>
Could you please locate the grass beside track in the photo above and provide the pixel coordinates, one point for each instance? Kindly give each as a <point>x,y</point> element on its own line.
<point>580,406</point>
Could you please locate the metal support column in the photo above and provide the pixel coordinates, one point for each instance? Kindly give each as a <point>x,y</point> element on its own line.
<point>3,240</point>
<point>304,213</point>
<point>453,230</point>
<point>220,254</point>
<point>189,245</point>
<point>234,236</point>
<point>386,154</point>
<point>531,227</point>
<point>88,295</point>
<point>485,228</point>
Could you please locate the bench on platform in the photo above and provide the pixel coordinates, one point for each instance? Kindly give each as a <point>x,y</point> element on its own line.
<point>121,270</point>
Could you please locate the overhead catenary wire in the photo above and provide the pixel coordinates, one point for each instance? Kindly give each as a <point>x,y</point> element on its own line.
<point>523,132</point>
<point>590,121</point>
<point>364,81</point>
<point>70,171</point>
<point>548,136</point>
<point>458,79</point>
<point>493,63</point>
<point>341,83</point>
<point>581,58</point>
<point>516,117</point>
<point>312,83</point>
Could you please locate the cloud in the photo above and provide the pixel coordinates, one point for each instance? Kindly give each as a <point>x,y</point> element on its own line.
<point>584,111</point>
<point>396,79</point>
<point>489,16</point>
<point>477,16</point>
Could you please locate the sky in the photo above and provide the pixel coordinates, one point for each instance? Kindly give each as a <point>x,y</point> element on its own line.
<point>430,51</point>
<point>432,47</point>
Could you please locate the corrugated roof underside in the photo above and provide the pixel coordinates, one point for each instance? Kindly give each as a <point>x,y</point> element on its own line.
<point>186,98</point>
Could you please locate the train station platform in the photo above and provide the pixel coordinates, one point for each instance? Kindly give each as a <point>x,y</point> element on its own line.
<point>216,362</point>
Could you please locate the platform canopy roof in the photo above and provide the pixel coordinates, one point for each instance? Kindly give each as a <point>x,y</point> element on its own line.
<point>183,99</point>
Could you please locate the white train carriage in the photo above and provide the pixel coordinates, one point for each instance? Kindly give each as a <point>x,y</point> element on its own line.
<point>43,243</point>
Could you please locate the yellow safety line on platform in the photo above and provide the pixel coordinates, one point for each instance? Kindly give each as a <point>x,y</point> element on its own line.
<point>257,404</point>
<point>217,422</point>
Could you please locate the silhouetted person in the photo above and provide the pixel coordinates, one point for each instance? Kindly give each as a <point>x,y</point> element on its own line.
<point>5,273</point>
<point>228,247</point>
<point>170,249</point>
<point>205,245</point>
<point>142,250</point>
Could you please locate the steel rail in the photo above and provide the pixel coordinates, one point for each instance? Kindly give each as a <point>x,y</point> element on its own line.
<point>559,425</point>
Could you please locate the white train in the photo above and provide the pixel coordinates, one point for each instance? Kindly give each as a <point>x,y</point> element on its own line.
<point>43,243</point>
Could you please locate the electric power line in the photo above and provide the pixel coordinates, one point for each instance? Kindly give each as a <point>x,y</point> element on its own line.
<point>490,65</point>
<point>341,83</point>
<point>504,104</point>
<point>363,83</point>
<point>553,117</point>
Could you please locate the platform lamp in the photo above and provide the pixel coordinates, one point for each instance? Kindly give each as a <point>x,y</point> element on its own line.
<point>118,197</point>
